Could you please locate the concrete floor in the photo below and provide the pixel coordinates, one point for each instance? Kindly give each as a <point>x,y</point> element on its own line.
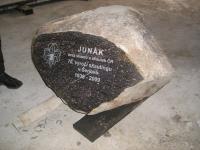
<point>169,120</point>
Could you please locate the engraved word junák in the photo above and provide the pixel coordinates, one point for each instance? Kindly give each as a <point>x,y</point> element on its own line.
<point>92,51</point>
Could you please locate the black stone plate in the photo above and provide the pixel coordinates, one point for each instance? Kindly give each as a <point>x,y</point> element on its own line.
<point>82,69</point>
<point>93,126</point>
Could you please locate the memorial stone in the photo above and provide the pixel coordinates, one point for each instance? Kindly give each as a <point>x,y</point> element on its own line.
<point>100,59</point>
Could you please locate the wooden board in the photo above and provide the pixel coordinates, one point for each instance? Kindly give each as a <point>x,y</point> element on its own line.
<point>37,112</point>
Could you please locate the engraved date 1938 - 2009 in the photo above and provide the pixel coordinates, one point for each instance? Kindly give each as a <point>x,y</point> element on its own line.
<point>90,78</point>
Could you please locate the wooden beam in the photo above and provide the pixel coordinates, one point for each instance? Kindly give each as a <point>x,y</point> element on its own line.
<point>37,112</point>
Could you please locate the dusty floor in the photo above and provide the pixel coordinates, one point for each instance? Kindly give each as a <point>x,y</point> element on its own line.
<point>169,120</point>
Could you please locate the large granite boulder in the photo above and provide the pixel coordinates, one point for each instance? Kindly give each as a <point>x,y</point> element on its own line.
<point>100,59</point>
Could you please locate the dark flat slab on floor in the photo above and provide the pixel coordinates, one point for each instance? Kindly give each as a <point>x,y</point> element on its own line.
<point>93,126</point>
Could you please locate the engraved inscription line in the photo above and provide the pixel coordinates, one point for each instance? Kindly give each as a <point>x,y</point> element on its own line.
<point>92,51</point>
